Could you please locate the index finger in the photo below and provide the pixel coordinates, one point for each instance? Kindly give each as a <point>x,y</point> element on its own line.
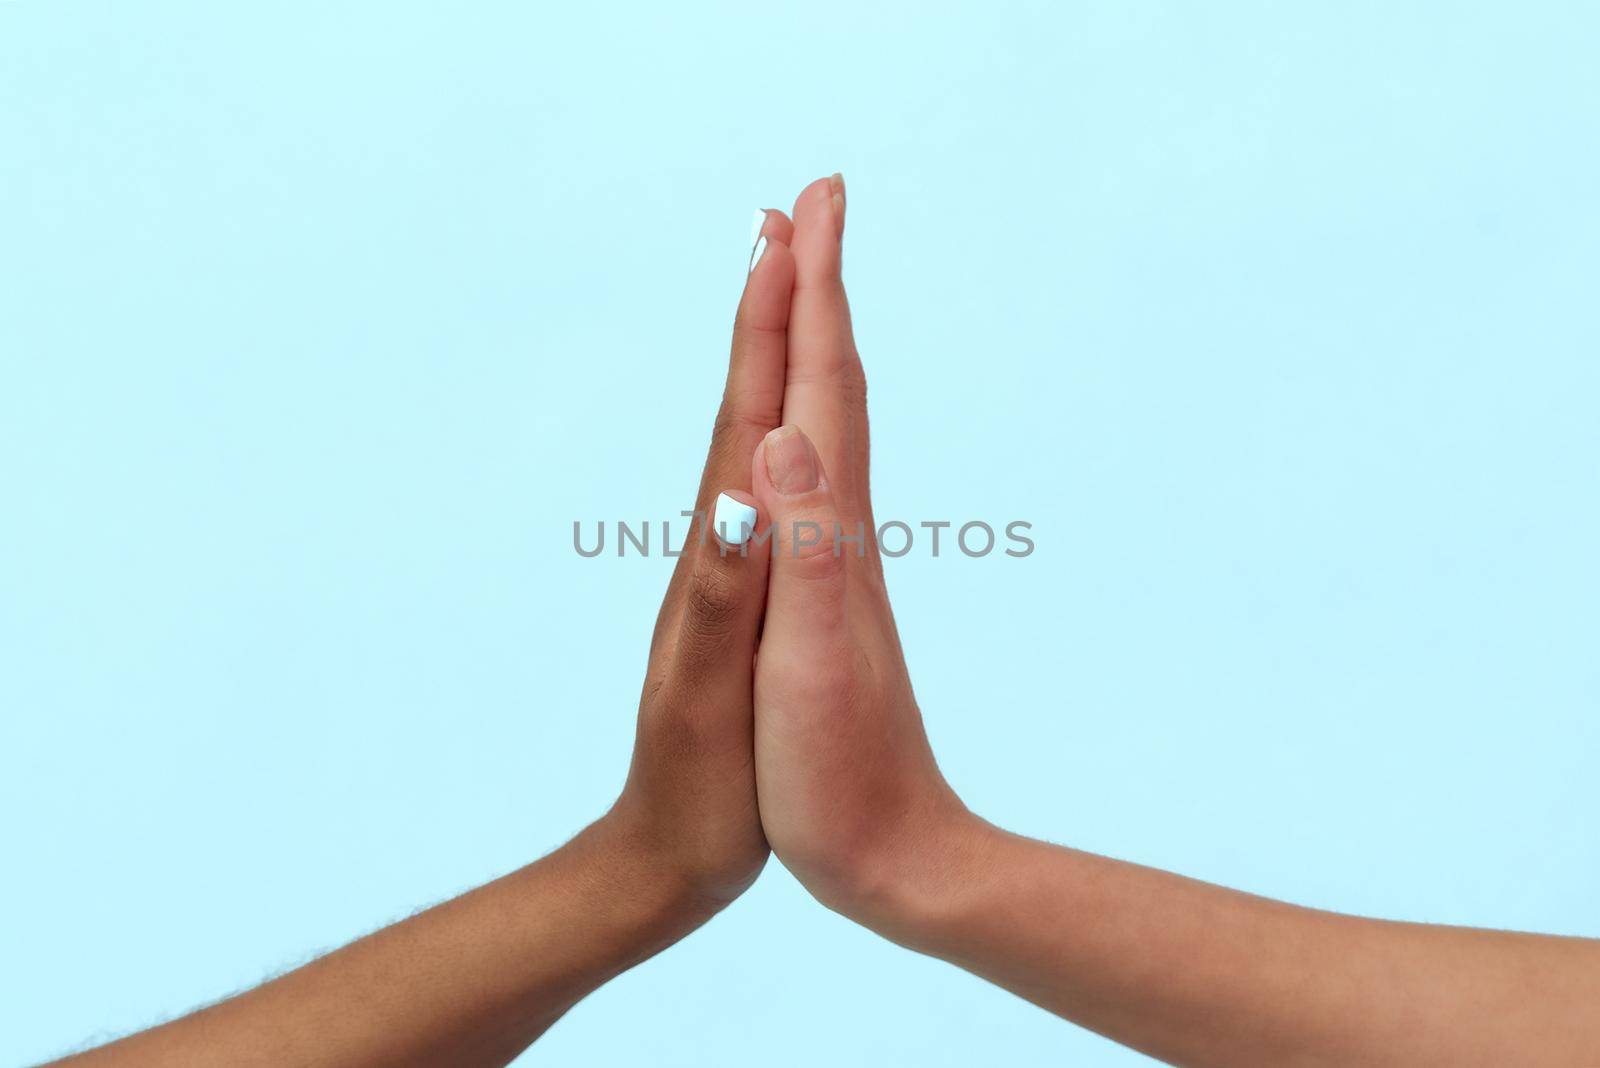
<point>825,389</point>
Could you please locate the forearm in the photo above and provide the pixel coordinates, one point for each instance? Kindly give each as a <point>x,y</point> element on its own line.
<point>1199,975</point>
<point>470,982</point>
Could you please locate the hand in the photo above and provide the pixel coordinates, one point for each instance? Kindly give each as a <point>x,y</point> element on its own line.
<point>851,798</point>
<point>689,805</point>
<point>1193,974</point>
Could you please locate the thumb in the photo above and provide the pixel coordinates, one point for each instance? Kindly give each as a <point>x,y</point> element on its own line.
<point>807,574</point>
<point>720,589</point>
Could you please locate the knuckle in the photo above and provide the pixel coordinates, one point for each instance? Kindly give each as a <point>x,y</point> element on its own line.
<point>819,563</point>
<point>853,380</point>
<point>813,549</point>
<point>711,605</point>
<point>731,421</point>
<point>738,424</point>
<point>751,328</point>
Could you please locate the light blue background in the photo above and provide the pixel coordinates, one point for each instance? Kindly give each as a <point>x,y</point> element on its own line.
<point>321,323</point>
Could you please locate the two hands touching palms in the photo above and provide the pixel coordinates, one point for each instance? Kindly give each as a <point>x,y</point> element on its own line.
<point>775,665</point>
<point>777,713</point>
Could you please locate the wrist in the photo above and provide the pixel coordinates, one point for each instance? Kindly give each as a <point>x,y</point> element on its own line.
<point>954,891</point>
<point>644,899</point>
<point>583,914</point>
<point>917,891</point>
<point>685,881</point>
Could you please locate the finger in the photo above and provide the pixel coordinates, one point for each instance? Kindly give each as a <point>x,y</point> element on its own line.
<point>825,389</point>
<point>721,604</point>
<point>752,399</point>
<point>805,610</point>
<point>752,404</point>
<point>773,223</point>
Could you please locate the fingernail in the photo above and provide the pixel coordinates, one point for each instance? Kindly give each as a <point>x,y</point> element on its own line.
<point>836,182</point>
<point>733,520</point>
<point>760,243</point>
<point>790,463</point>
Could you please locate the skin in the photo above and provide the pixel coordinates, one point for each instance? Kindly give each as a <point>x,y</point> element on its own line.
<point>777,709</point>
<point>854,805</point>
<point>472,982</point>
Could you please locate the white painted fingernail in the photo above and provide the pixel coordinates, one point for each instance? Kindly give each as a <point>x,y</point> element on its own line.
<point>733,520</point>
<point>755,253</point>
<point>756,224</point>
